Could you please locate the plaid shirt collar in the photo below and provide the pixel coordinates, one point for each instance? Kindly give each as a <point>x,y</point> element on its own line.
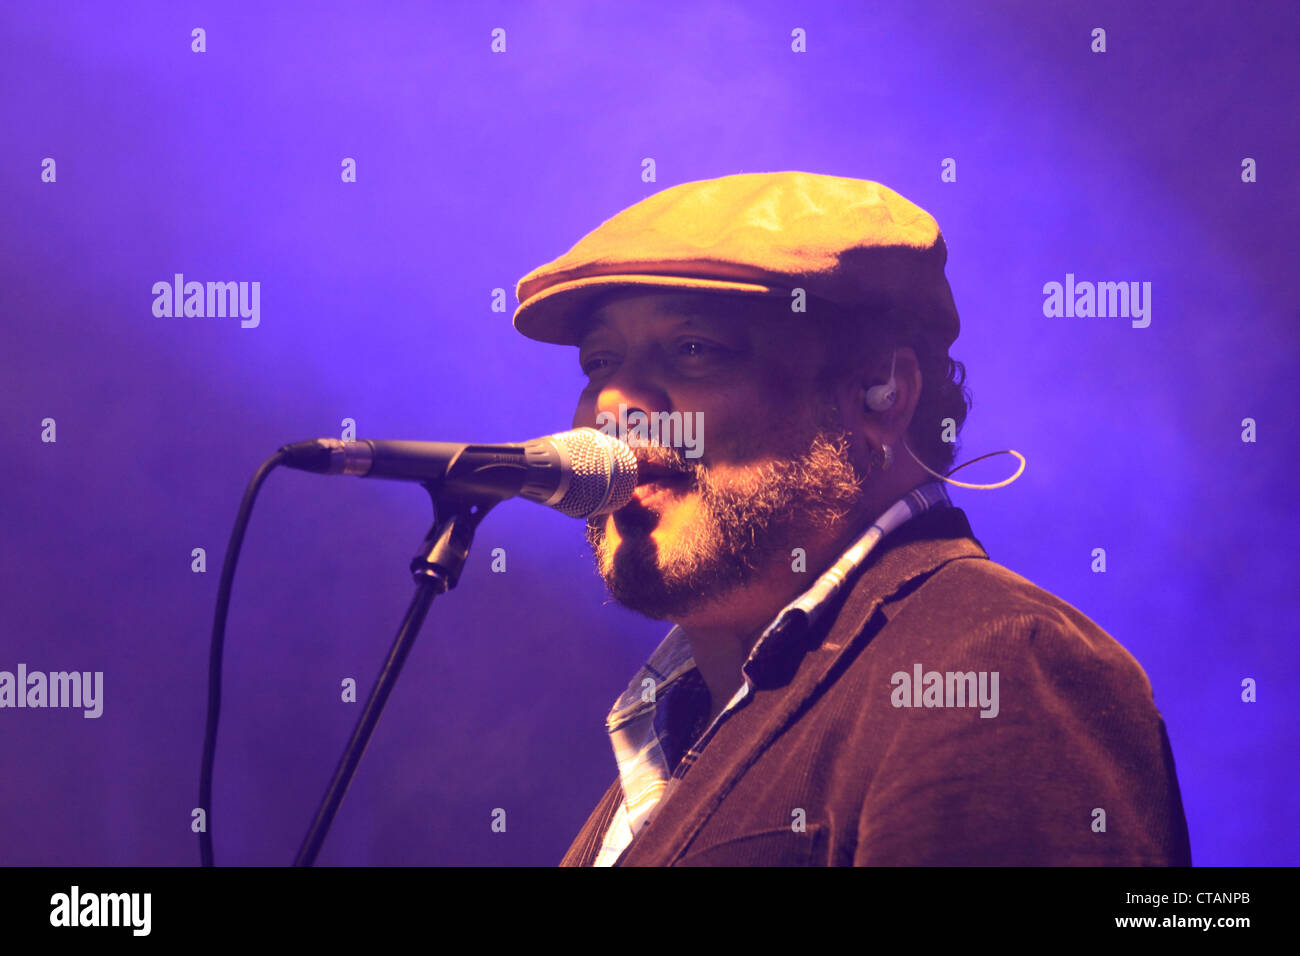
<point>654,726</point>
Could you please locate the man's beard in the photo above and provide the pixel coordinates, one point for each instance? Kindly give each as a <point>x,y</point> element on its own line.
<point>745,524</point>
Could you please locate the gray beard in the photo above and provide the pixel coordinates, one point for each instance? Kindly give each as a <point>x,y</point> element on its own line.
<point>747,524</point>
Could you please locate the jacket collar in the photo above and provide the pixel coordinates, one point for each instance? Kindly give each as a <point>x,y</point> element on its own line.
<point>784,640</point>
<point>900,563</point>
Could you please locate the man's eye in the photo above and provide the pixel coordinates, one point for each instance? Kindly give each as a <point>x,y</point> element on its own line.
<point>694,348</point>
<point>596,364</point>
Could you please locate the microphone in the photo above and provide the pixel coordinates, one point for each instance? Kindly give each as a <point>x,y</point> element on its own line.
<point>583,472</point>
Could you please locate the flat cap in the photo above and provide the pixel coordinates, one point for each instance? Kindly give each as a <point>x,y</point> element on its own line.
<point>851,242</point>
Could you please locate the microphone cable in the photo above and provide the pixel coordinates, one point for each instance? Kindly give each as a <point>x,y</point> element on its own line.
<point>218,645</point>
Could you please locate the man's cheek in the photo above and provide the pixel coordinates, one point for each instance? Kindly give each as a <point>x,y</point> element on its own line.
<point>584,415</point>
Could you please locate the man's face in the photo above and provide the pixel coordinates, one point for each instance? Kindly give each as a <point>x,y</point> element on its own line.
<point>773,470</point>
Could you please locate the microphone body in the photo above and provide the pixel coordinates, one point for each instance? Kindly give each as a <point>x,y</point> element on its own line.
<point>582,472</point>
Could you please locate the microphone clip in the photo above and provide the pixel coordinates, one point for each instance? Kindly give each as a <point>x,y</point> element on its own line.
<point>445,548</point>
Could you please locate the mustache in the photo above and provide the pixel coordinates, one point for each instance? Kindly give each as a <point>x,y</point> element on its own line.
<point>662,461</point>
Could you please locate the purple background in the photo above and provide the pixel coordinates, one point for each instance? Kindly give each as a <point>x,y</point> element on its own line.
<point>474,168</point>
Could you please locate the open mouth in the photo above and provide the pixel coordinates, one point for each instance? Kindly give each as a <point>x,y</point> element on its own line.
<point>657,485</point>
<point>649,473</point>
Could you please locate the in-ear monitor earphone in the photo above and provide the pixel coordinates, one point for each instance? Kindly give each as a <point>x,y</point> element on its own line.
<point>881,397</point>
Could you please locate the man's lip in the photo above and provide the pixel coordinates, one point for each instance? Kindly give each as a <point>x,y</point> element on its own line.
<point>653,487</point>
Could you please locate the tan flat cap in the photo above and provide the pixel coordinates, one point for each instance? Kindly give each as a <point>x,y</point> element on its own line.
<point>848,241</point>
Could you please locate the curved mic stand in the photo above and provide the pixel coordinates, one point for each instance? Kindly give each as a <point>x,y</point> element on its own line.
<point>436,569</point>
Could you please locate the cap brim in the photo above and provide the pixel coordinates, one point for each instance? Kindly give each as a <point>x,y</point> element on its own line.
<point>557,314</point>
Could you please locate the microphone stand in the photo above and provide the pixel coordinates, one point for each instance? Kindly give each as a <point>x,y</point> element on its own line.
<point>436,569</point>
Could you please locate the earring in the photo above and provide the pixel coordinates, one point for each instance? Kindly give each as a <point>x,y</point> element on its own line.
<point>887,454</point>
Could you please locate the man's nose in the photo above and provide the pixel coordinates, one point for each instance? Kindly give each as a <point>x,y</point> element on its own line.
<point>625,391</point>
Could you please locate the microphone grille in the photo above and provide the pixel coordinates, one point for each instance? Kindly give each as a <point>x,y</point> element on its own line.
<point>603,472</point>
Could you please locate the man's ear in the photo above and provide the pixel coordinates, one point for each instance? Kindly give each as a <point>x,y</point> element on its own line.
<point>871,428</point>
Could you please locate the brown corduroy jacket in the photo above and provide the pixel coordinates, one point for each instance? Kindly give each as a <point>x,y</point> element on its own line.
<point>821,766</point>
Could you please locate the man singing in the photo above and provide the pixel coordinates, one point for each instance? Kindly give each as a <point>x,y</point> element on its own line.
<point>850,680</point>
